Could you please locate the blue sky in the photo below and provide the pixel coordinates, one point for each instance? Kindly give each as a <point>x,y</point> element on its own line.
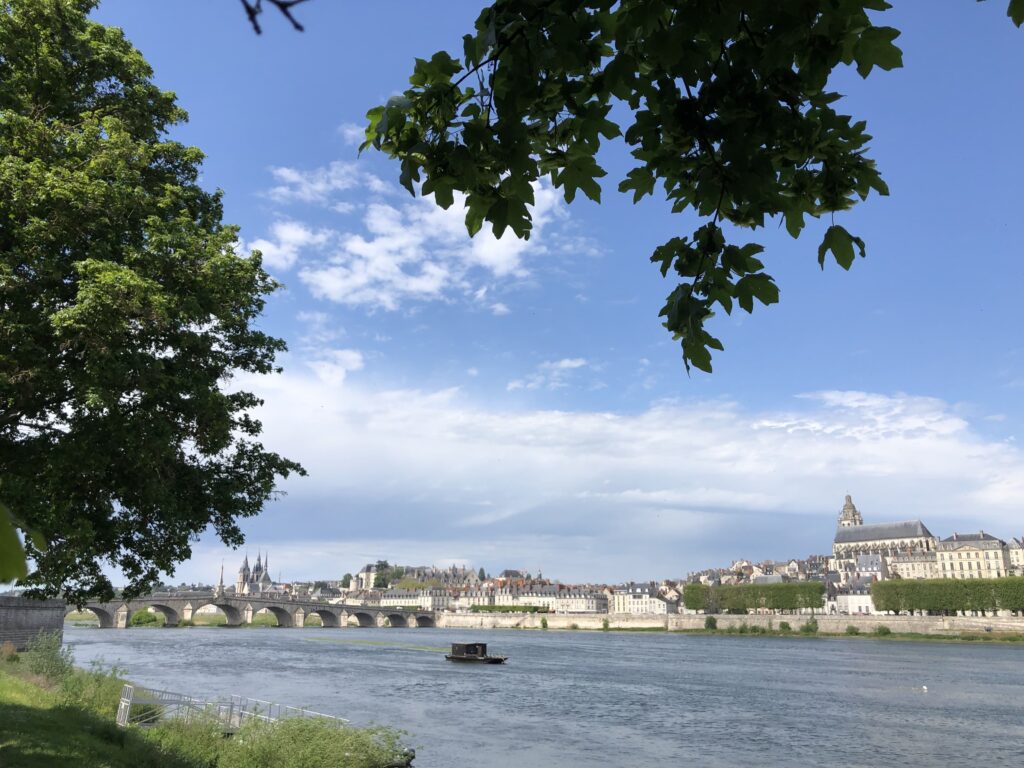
<point>513,404</point>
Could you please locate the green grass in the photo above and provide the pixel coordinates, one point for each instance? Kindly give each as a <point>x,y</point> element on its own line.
<point>639,629</point>
<point>82,618</point>
<point>53,715</point>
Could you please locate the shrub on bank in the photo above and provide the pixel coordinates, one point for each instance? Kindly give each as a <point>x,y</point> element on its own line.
<point>883,630</point>
<point>146,619</point>
<point>8,652</point>
<point>710,623</point>
<point>508,609</point>
<point>543,622</point>
<point>809,627</point>
<point>310,743</point>
<point>784,626</point>
<point>200,741</point>
<point>96,689</point>
<point>45,656</point>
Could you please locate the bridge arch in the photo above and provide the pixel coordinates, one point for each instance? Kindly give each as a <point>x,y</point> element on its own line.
<point>365,619</point>
<point>327,616</point>
<point>171,617</point>
<point>424,621</point>
<point>284,618</point>
<point>106,618</point>
<point>233,614</point>
<point>397,620</point>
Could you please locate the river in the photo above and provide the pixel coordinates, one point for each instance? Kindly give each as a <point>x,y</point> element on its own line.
<point>608,698</point>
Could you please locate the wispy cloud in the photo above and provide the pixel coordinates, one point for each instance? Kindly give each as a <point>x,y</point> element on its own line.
<point>331,366</point>
<point>286,240</point>
<point>352,133</point>
<point>553,374</point>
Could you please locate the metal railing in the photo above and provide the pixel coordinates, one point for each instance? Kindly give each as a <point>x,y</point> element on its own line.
<point>147,706</point>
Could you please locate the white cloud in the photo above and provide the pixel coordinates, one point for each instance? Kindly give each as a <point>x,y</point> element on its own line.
<point>553,374</point>
<point>315,186</point>
<point>288,238</point>
<point>352,133</point>
<point>404,251</point>
<point>615,496</point>
<point>320,329</point>
<point>332,365</point>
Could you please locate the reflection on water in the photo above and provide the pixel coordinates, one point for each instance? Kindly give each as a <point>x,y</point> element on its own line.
<point>611,699</point>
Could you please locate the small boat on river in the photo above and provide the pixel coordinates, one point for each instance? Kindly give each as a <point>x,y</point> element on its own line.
<point>474,653</point>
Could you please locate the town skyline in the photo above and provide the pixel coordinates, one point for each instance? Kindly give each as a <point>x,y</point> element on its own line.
<point>551,575</point>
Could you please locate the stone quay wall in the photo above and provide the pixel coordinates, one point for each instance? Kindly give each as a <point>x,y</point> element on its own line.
<point>827,624</point>
<point>21,619</point>
<point>554,620</point>
<point>837,624</point>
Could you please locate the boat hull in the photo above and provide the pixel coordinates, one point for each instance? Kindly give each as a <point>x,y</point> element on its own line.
<point>476,659</point>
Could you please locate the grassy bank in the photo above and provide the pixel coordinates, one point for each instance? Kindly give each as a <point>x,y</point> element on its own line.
<point>54,715</point>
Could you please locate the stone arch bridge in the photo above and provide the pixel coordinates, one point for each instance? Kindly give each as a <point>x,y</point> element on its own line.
<point>240,610</point>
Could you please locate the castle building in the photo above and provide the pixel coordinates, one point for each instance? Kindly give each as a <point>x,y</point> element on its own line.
<point>255,581</point>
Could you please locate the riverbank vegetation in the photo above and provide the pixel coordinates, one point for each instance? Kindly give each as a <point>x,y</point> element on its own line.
<point>56,715</point>
<point>949,596</point>
<point>743,598</point>
<point>508,609</point>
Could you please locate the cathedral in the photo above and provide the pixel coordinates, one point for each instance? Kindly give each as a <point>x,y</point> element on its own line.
<point>255,581</point>
<point>888,541</point>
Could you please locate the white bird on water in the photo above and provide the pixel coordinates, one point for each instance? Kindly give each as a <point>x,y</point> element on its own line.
<point>924,689</point>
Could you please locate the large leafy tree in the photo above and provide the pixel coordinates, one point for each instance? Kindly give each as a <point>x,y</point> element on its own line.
<point>724,106</point>
<point>124,313</point>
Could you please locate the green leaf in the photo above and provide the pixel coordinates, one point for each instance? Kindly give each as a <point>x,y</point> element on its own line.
<point>840,243</point>
<point>12,555</point>
<point>875,49</point>
<point>1016,12</point>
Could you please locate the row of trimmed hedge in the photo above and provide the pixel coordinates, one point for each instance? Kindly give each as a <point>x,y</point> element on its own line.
<point>949,595</point>
<point>741,598</point>
<point>508,609</point>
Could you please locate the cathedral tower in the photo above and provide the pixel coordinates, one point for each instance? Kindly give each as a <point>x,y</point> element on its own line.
<point>849,516</point>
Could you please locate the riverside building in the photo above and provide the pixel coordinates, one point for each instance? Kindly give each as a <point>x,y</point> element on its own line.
<point>973,556</point>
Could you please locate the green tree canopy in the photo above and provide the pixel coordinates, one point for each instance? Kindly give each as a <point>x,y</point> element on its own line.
<point>725,108</point>
<point>124,314</point>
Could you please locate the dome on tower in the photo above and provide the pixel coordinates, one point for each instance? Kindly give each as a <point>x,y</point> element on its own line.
<point>849,515</point>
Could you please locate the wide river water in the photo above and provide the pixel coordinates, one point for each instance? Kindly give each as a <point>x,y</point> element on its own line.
<point>611,699</point>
